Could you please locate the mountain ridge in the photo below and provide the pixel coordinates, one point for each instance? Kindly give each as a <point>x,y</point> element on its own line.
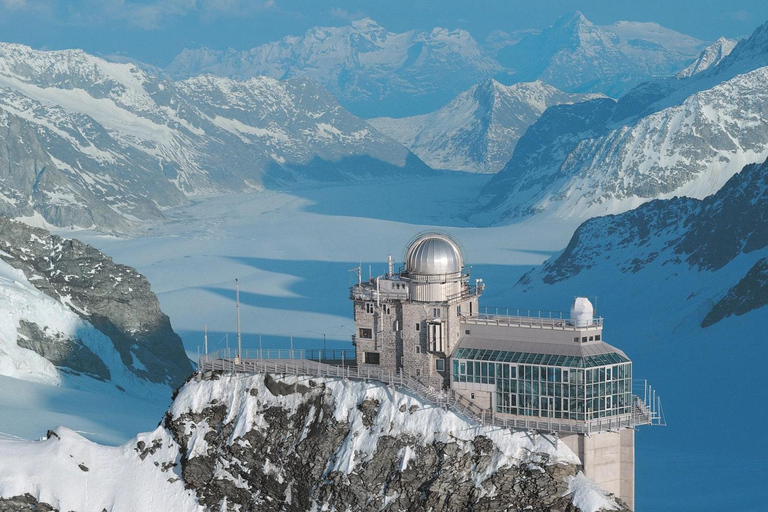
<point>476,131</point>
<point>100,145</point>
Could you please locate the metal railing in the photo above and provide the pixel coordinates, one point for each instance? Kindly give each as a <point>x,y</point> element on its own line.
<point>517,320</point>
<point>347,356</point>
<point>643,413</point>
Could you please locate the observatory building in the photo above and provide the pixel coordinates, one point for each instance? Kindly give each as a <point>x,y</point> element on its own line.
<point>532,373</point>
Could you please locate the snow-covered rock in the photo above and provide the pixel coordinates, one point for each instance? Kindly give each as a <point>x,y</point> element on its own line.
<point>676,137</point>
<point>723,238</point>
<point>478,130</point>
<point>375,72</point>
<point>576,55</point>
<point>371,70</point>
<point>238,442</point>
<point>710,56</point>
<point>681,284</point>
<point>91,143</point>
<point>66,308</point>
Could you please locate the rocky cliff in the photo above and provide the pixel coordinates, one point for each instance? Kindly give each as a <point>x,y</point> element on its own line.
<point>279,443</point>
<point>114,299</point>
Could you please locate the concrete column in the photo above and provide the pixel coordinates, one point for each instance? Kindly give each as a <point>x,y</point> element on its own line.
<point>608,458</point>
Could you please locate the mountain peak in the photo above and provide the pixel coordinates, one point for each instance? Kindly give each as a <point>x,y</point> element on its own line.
<point>365,24</point>
<point>572,19</point>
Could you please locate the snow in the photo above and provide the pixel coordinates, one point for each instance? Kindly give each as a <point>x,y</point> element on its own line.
<point>587,495</point>
<point>115,478</point>
<point>478,130</point>
<point>292,253</point>
<point>248,397</point>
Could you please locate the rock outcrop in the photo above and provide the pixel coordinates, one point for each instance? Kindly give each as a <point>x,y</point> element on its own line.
<point>284,443</point>
<point>114,298</point>
<point>292,443</point>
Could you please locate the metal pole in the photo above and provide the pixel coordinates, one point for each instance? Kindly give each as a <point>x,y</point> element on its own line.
<point>321,357</point>
<point>206,340</point>
<point>261,351</point>
<point>291,347</point>
<point>239,340</point>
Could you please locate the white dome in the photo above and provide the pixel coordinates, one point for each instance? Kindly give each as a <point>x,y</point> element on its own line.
<point>434,254</point>
<point>582,312</point>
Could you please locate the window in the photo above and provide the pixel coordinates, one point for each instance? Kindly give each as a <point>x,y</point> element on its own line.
<point>576,339</point>
<point>584,339</point>
<point>418,349</point>
<point>371,358</point>
<point>440,365</point>
<point>466,332</point>
<point>597,337</point>
<point>418,372</point>
<point>472,396</point>
<point>369,307</point>
<point>366,333</point>
<point>458,310</point>
<point>418,326</point>
<point>591,338</point>
<point>436,313</point>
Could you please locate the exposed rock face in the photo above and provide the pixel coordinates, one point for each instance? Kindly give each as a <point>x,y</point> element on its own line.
<point>287,443</point>
<point>91,143</point>
<point>750,293</point>
<point>273,443</point>
<point>670,138</point>
<point>24,503</point>
<point>477,131</point>
<point>114,298</point>
<point>693,235</point>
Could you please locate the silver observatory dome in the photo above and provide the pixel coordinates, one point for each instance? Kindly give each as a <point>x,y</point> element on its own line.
<point>433,254</point>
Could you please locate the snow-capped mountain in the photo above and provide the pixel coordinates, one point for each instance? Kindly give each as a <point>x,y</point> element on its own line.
<point>578,56</point>
<point>477,131</point>
<point>372,71</point>
<point>677,137</point>
<point>710,56</point>
<point>67,311</point>
<point>683,287</point>
<point>276,443</point>
<point>91,143</point>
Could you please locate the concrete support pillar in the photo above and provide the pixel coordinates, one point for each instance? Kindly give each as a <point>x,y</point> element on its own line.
<point>608,458</point>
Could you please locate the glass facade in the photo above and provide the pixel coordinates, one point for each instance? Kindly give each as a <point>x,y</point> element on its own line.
<point>549,386</point>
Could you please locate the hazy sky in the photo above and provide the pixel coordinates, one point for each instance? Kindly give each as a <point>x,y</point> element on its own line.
<point>155,30</point>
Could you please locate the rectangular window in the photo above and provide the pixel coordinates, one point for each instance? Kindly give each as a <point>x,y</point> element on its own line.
<point>436,313</point>
<point>369,307</point>
<point>371,358</point>
<point>466,332</point>
<point>440,365</point>
<point>418,349</point>
<point>366,333</point>
<point>576,339</point>
<point>597,337</point>
<point>418,326</point>
<point>458,310</point>
<point>584,339</point>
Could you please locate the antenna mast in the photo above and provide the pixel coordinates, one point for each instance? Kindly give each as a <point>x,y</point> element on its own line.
<point>239,337</point>
<point>206,340</point>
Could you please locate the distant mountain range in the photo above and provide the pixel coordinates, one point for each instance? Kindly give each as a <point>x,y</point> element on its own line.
<point>91,143</point>
<point>374,72</point>
<point>665,138</point>
<point>578,56</point>
<point>371,71</point>
<point>478,130</point>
